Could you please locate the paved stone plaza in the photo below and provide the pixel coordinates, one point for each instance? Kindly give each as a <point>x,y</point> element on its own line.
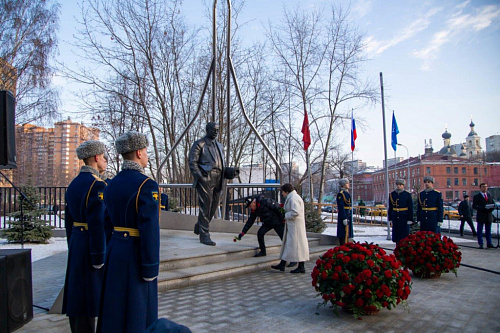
<point>271,301</point>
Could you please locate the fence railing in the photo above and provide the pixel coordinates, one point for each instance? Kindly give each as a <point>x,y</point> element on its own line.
<point>51,201</point>
<point>182,198</point>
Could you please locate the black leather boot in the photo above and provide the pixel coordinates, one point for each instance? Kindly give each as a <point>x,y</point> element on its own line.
<point>261,254</point>
<point>299,269</point>
<point>280,266</point>
<point>197,229</point>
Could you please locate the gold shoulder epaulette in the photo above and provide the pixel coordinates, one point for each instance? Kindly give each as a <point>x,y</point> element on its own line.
<point>437,191</point>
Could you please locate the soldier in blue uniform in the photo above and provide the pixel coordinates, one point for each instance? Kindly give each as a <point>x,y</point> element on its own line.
<point>344,207</point>
<point>430,207</point>
<point>400,211</point>
<point>130,289</point>
<point>84,222</point>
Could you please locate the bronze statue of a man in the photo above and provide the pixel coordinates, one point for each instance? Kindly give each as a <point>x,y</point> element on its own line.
<point>206,162</point>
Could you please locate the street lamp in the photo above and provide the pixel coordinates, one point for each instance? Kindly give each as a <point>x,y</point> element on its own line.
<point>408,158</point>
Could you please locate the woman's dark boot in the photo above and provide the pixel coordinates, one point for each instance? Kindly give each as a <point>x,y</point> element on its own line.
<point>299,269</point>
<point>280,266</point>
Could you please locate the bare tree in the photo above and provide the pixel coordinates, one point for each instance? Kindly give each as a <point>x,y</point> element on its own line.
<point>299,52</point>
<point>28,41</point>
<point>344,58</point>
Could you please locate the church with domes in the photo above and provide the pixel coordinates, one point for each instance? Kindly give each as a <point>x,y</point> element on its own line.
<point>470,148</point>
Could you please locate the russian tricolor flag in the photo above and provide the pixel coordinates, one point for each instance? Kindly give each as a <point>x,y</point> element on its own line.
<point>354,135</point>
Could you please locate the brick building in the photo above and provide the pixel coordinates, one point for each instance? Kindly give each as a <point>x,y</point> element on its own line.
<point>47,156</point>
<point>454,176</point>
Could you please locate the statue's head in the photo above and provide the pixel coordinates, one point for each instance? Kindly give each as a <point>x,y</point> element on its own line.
<point>212,130</point>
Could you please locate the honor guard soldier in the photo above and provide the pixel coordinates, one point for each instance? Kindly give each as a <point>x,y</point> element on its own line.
<point>84,222</point>
<point>400,211</point>
<point>344,207</point>
<point>130,289</point>
<point>430,207</point>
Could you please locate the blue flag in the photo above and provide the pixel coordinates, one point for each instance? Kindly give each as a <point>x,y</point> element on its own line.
<point>395,132</point>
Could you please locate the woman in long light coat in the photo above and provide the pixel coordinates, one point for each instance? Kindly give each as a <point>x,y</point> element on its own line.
<point>295,247</point>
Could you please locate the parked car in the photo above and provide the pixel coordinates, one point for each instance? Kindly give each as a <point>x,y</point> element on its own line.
<point>496,212</point>
<point>378,210</point>
<point>329,209</point>
<point>450,213</point>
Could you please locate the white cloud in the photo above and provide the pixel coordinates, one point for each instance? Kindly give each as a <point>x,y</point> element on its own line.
<point>362,7</point>
<point>459,22</point>
<point>376,47</point>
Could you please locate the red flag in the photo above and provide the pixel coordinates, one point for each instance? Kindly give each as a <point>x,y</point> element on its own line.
<point>305,130</point>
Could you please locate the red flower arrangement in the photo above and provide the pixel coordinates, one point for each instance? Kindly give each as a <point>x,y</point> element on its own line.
<point>428,254</point>
<point>360,278</point>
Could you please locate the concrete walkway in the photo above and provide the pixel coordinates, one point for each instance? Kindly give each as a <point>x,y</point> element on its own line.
<point>271,301</point>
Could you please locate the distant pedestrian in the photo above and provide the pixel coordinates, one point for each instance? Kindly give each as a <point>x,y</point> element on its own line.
<point>484,204</point>
<point>400,211</point>
<point>130,289</point>
<point>295,247</point>
<point>84,222</point>
<point>430,207</point>
<point>465,213</point>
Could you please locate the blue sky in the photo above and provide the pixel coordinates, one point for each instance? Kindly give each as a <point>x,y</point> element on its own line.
<point>440,61</point>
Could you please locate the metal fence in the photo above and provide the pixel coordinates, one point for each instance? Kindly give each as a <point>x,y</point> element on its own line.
<point>51,201</point>
<point>182,198</point>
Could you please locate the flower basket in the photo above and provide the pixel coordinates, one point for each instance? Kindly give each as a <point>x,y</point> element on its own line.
<point>428,254</point>
<point>361,279</point>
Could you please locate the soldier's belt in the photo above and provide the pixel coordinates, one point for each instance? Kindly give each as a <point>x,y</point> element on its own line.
<point>400,209</point>
<point>131,231</point>
<point>432,208</point>
<point>347,207</point>
<point>80,224</point>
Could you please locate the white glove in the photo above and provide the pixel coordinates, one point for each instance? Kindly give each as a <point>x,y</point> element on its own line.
<point>149,279</point>
<point>440,224</point>
<point>346,221</point>
<point>409,222</point>
<point>98,266</point>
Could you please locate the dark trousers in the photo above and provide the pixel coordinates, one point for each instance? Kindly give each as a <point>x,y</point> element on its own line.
<point>469,222</point>
<point>208,189</point>
<point>487,227</point>
<point>82,324</point>
<point>279,228</point>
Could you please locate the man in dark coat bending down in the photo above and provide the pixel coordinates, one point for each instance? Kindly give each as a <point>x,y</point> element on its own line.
<point>271,217</point>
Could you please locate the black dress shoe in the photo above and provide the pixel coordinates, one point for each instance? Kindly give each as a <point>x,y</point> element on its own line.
<point>490,246</point>
<point>298,270</point>
<point>480,247</point>
<point>260,254</point>
<point>278,267</point>
<point>461,235</point>
<point>292,264</point>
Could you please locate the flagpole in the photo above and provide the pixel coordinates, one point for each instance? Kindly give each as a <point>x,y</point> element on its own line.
<point>385,154</point>
<point>352,175</point>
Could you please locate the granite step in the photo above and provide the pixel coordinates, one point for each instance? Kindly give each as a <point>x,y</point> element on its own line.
<point>235,264</point>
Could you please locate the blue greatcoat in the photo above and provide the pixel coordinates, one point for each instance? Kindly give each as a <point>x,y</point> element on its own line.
<point>430,210</point>
<point>86,245</point>
<point>344,212</point>
<point>129,303</point>
<point>400,212</point>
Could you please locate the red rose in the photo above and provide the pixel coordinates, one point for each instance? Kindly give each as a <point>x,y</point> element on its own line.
<point>388,273</point>
<point>359,302</point>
